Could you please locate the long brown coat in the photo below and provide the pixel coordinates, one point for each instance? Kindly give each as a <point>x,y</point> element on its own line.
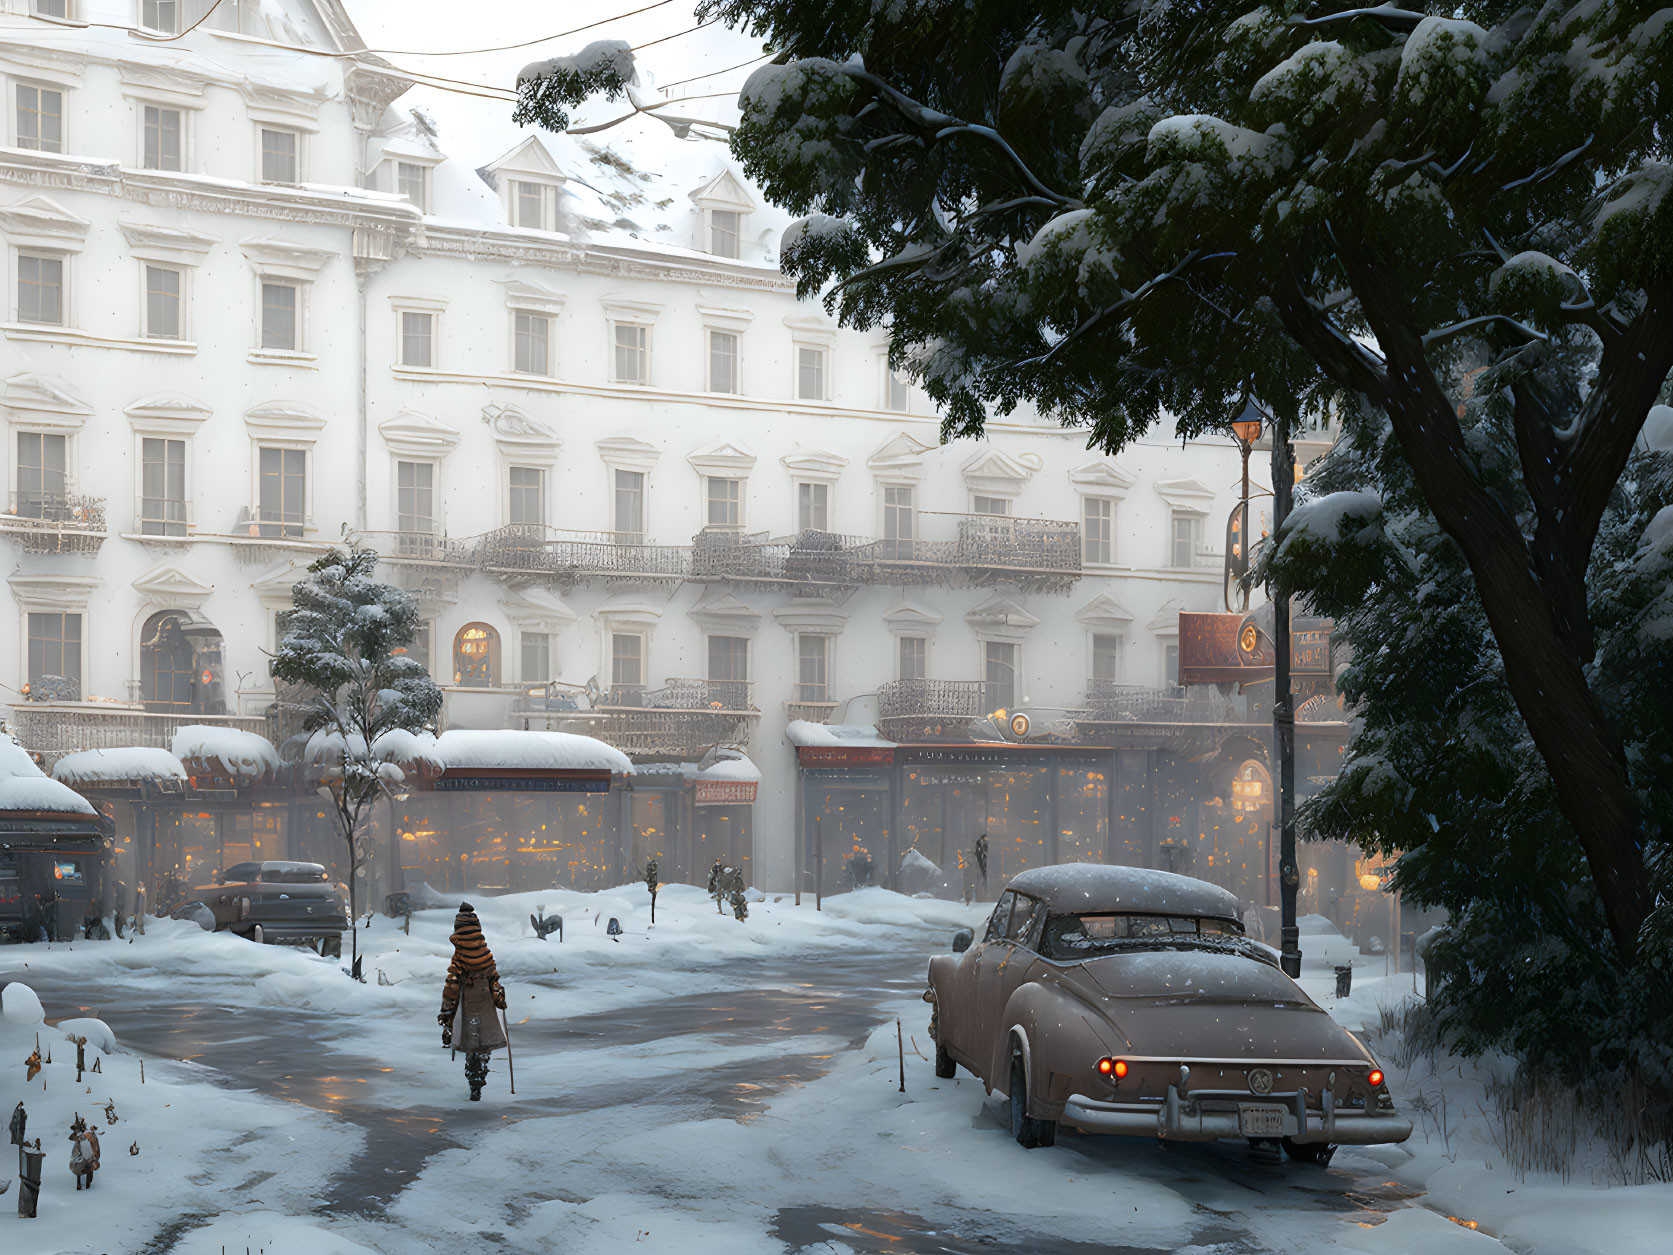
<point>472,995</point>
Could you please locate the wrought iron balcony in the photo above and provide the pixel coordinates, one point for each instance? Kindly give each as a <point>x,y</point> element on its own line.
<point>914,709</point>
<point>1109,702</point>
<point>53,729</point>
<point>50,522</point>
<point>681,719</point>
<point>425,547</point>
<point>571,556</point>
<point>810,712</point>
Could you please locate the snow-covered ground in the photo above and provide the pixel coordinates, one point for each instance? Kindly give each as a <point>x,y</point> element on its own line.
<point>700,1085</point>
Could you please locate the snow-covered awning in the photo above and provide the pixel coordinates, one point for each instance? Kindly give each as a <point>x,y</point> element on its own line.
<point>414,753</point>
<point>512,749</point>
<point>240,754</point>
<point>15,760</point>
<point>37,793</point>
<point>852,735</point>
<point>739,768</point>
<point>131,765</point>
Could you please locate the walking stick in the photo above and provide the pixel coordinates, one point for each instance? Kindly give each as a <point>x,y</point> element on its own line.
<point>510,1063</point>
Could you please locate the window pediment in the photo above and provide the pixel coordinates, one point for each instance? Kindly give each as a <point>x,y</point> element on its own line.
<point>172,412</point>
<point>900,458</point>
<point>1102,478</point>
<point>161,82</point>
<point>173,588</point>
<point>418,435</point>
<point>284,420</point>
<point>628,454</point>
<point>1001,617</point>
<point>812,329</point>
<point>519,435</point>
<point>267,103</point>
<point>1191,495</point>
<point>725,319</point>
<point>628,616</point>
<point>724,191</point>
<point>43,223</point>
<point>909,618</point>
<point>812,614</point>
<point>1165,622</point>
<point>630,308</point>
<point>45,399</point>
<point>992,471</point>
<point>168,244</point>
<point>722,458</point>
<point>725,613</point>
<point>274,588</point>
<point>529,159</point>
<point>1104,613</point>
<point>815,464</point>
<point>285,259</point>
<point>53,591</point>
<point>535,607</point>
<point>533,297</point>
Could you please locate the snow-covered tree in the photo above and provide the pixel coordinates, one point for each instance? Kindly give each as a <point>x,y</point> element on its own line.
<point>1120,208</point>
<point>345,645</point>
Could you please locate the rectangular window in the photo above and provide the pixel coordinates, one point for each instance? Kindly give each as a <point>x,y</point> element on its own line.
<point>162,129</point>
<point>999,671</point>
<point>40,118</point>
<point>531,337</point>
<point>528,202</point>
<point>415,497</point>
<point>160,15</point>
<point>163,303</point>
<point>52,8</point>
<point>1170,664</point>
<point>723,232</point>
<point>418,339</point>
<point>279,151</point>
<point>283,491</point>
<point>536,657</point>
<point>633,353</point>
<point>813,666</point>
<point>723,361</point>
<point>55,648</point>
<point>40,288</point>
<point>912,653</point>
<point>1097,530</point>
<point>1106,657</point>
<point>280,321</point>
<point>810,373</point>
<point>725,500</point>
<point>410,181</point>
<point>813,507</point>
<point>990,505</point>
<point>630,506</point>
<point>1182,551</point>
<point>528,495</point>
<point>627,667</point>
<point>729,662</point>
<point>43,478</point>
<point>900,520</point>
<point>898,396</point>
<point>162,502</point>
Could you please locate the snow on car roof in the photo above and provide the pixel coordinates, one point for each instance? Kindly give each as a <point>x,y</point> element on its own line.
<point>1097,887</point>
<point>125,763</point>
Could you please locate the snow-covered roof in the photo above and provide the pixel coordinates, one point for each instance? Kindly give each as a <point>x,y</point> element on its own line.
<point>109,766</point>
<point>15,760</point>
<point>237,751</point>
<point>856,735</point>
<point>37,793</point>
<point>739,768</point>
<point>394,746</point>
<point>533,751</point>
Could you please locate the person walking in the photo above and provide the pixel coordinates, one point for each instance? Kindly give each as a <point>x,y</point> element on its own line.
<point>472,1000</point>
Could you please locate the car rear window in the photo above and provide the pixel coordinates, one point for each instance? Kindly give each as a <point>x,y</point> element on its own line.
<point>1082,936</point>
<point>291,876</point>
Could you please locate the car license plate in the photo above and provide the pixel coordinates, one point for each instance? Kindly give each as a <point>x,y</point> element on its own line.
<point>1261,1121</point>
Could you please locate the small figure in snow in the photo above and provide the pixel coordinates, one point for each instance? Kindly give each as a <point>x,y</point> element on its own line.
<point>110,1112</point>
<point>81,1056</point>
<point>33,1064</point>
<point>84,1152</point>
<point>651,884</point>
<point>19,1122</point>
<point>717,890</point>
<point>472,1000</point>
<point>982,857</point>
<point>733,879</point>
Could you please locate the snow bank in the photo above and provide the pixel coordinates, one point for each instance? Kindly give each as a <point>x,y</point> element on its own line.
<point>19,1005</point>
<point>22,793</point>
<point>539,751</point>
<point>97,1033</point>
<point>237,751</point>
<point>130,762</point>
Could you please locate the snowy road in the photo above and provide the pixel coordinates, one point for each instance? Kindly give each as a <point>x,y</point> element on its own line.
<point>701,1087</point>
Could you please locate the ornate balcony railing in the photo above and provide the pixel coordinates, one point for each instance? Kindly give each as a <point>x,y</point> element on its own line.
<point>422,547</point>
<point>49,522</point>
<point>810,712</point>
<point>53,729</point>
<point>682,718</point>
<point>571,556</point>
<point>1109,702</point>
<point>910,710</point>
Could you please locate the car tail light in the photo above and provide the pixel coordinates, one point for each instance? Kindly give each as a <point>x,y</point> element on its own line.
<point>1376,1078</point>
<point>1112,1067</point>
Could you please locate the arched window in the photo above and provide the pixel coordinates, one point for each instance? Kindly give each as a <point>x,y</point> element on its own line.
<point>166,662</point>
<point>476,655</point>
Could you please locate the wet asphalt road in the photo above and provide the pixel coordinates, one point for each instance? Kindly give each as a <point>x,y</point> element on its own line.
<point>302,1057</point>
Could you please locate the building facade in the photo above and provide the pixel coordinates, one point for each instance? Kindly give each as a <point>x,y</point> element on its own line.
<point>640,490</point>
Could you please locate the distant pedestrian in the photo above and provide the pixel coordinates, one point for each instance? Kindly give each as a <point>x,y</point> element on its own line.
<point>472,1000</point>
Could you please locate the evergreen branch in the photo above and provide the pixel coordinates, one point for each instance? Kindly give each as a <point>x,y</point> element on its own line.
<point>1442,334</point>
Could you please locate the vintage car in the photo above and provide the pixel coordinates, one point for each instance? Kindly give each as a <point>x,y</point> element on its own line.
<point>272,901</point>
<point>1122,1000</point>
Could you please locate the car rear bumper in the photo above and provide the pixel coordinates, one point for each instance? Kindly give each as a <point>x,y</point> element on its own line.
<point>285,930</point>
<point>1184,1120</point>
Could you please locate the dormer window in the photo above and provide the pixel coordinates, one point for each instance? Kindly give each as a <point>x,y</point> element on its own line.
<point>160,15</point>
<point>724,227</point>
<point>412,180</point>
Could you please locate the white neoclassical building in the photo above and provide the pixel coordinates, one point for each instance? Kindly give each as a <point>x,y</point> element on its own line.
<point>255,308</point>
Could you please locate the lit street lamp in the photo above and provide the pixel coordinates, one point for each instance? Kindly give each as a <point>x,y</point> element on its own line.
<point>1247,428</point>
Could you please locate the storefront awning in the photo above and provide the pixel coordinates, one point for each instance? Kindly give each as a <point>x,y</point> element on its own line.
<point>477,760</point>
<point>727,782</point>
<point>231,755</point>
<point>130,769</point>
<point>852,735</point>
<point>37,794</point>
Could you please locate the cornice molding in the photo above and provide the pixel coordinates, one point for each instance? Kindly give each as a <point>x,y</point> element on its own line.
<point>178,245</point>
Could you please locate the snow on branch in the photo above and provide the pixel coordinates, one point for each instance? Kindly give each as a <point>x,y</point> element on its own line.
<point>604,68</point>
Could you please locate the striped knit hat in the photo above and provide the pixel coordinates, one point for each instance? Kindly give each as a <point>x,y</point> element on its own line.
<point>470,951</point>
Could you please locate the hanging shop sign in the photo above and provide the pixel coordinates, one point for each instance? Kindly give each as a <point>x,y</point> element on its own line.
<point>845,755</point>
<point>1310,651</point>
<point>725,793</point>
<point>852,780</point>
<point>992,756</point>
<point>485,782</point>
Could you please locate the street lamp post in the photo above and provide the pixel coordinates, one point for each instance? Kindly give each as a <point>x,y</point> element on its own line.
<point>1283,712</point>
<point>1247,428</point>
